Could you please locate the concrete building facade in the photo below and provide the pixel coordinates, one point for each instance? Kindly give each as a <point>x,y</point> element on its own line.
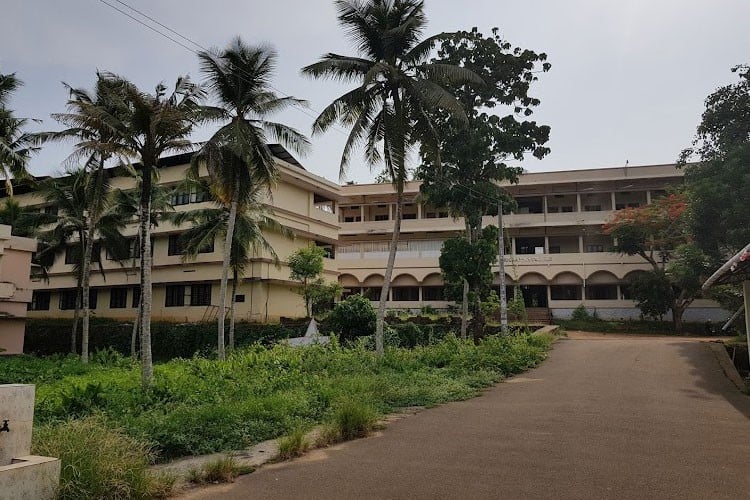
<point>15,289</point>
<point>557,254</point>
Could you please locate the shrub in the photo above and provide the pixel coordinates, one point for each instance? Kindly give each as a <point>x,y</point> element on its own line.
<point>100,462</point>
<point>580,313</point>
<point>517,307</point>
<point>222,470</point>
<point>294,444</point>
<point>353,419</point>
<point>353,317</point>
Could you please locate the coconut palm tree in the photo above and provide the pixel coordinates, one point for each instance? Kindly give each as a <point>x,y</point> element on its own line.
<point>389,111</point>
<point>253,220</point>
<point>93,123</point>
<point>151,125</point>
<point>237,156</point>
<point>72,226</point>
<point>16,145</point>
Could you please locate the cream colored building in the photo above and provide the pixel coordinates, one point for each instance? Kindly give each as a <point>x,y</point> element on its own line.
<point>189,291</point>
<point>558,255</point>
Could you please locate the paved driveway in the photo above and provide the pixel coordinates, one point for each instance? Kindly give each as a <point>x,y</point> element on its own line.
<point>601,418</point>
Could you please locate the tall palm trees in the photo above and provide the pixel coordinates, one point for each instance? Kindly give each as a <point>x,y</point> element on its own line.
<point>16,146</point>
<point>93,121</point>
<point>237,156</point>
<point>397,89</point>
<point>146,126</point>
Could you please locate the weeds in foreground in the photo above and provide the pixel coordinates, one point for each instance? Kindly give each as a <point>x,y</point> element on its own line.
<point>222,470</point>
<point>99,462</point>
<point>294,444</point>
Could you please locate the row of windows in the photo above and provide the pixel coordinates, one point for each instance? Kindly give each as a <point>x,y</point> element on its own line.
<point>437,293</point>
<point>175,246</point>
<point>176,295</point>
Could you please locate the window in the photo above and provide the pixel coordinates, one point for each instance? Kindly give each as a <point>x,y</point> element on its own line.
<point>239,298</point>
<point>567,209</point>
<point>594,248</point>
<point>200,295</point>
<point>565,292</point>
<point>175,296</point>
<point>133,251</point>
<point>358,218</point>
<point>68,299</point>
<point>433,293</point>
<point>136,296</point>
<point>592,208</point>
<point>93,296</point>
<point>118,298</point>
<point>409,216</point>
<point>372,293</point>
<point>553,210</point>
<point>601,292</point>
<point>554,249</point>
<point>381,217</point>
<point>40,300</point>
<point>72,254</point>
<point>180,198</point>
<point>405,293</point>
<point>50,210</point>
<point>175,245</point>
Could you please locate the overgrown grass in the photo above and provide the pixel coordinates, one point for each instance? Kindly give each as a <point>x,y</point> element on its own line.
<point>294,444</point>
<point>222,470</point>
<point>198,406</point>
<point>100,462</point>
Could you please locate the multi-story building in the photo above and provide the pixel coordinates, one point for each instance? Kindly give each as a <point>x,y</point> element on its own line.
<point>557,254</point>
<point>189,290</point>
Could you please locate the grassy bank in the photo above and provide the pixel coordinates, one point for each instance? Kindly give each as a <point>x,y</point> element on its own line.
<point>650,327</point>
<point>200,405</point>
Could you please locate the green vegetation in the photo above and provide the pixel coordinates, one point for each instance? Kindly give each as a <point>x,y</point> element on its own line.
<point>294,444</point>
<point>99,460</point>
<point>353,317</point>
<point>199,405</point>
<point>221,470</point>
<point>594,324</point>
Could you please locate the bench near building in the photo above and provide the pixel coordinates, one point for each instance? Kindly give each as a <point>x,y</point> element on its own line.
<point>558,255</point>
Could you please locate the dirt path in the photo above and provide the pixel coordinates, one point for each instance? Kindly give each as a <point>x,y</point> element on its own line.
<point>604,418</point>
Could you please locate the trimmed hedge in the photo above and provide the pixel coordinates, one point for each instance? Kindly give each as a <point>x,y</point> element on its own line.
<point>168,340</point>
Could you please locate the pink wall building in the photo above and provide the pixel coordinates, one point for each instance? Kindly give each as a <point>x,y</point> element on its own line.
<point>15,289</point>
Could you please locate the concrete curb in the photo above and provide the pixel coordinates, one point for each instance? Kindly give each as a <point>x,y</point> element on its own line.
<point>547,330</point>
<point>726,364</point>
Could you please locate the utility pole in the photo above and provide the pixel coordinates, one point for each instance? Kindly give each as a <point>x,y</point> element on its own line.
<point>501,267</point>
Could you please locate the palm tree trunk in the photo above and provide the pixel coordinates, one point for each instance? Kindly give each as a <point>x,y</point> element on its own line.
<point>85,287</point>
<point>225,274</point>
<point>465,297</point>
<point>147,367</point>
<point>93,213</point>
<point>134,333</point>
<point>231,310</point>
<point>76,316</point>
<point>380,323</point>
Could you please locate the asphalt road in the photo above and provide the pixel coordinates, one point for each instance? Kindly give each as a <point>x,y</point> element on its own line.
<point>601,418</point>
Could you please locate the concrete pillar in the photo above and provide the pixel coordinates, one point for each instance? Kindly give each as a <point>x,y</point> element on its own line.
<point>419,210</point>
<point>648,197</point>
<point>580,243</point>
<point>546,244</point>
<point>390,211</point>
<point>362,212</point>
<point>614,199</point>
<point>578,202</point>
<point>544,206</point>
<point>513,246</point>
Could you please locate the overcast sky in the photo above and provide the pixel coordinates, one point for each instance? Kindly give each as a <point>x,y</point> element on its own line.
<point>628,78</point>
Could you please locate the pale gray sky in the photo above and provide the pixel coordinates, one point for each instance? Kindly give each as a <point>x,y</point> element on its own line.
<point>628,79</point>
